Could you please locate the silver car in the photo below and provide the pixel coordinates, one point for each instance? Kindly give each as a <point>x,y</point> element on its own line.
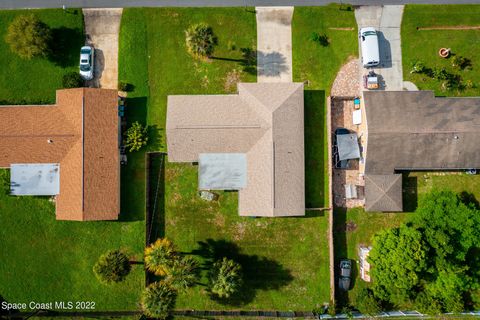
<point>86,62</point>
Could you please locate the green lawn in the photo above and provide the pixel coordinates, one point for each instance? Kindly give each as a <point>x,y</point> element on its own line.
<point>35,81</point>
<point>45,260</point>
<point>423,45</point>
<point>364,225</point>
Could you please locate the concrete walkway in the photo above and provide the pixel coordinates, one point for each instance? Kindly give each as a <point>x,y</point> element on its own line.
<point>387,20</point>
<point>102,27</point>
<point>274,44</point>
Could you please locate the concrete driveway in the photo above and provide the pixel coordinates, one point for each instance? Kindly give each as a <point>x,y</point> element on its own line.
<point>387,20</point>
<point>102,27</point>
<point>274,44</point>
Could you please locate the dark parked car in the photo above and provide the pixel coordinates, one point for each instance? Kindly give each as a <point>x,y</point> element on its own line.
<point>345,274</point>
<point>336,162</point>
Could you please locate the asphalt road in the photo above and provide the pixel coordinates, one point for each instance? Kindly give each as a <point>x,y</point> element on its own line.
<point>18,4</point>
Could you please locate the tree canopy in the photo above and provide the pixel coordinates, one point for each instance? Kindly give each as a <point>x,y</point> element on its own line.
<point>225,278</point>
<point>158,300</point>
<point>200,40</point>
<point>431,260</point>
<point>29,37</point>
<point>136,137</point>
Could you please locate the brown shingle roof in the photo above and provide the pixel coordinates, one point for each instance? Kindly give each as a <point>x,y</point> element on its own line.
<point>83,127</point>
<point>265,121</point>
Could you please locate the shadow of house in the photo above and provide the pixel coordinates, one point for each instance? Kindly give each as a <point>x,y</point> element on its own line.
<point>271,64</point>
<point>259,273</point>
<point>65,46</point>
<point>385,51</point>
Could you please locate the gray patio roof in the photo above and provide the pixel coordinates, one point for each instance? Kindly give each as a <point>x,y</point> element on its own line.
<point>348,146</point>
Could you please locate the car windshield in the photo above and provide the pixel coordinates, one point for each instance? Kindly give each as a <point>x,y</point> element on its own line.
<point>369,33</point>
<point>85,51</point>
<point>84,67</point>
<point>84,61</point>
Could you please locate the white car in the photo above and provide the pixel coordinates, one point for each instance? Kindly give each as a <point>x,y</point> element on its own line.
<point>86,62</point>
<point>370,50</point>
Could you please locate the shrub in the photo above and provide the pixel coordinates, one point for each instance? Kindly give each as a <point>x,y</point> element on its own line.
<point>461,62</point>
<point>125,86</point>
<point>225,278</point>
<point>112,266</point>
<point>200,40</point>
<point>28,37</point>
<point>158,300</point>
<point>182,273</point>
<point>136,137</point>
<point>321,39</point>
<point>159,256</point>
<point>367,303</point>
<point>418,67</point>
<point>426,304</point>
<point>72,80</point>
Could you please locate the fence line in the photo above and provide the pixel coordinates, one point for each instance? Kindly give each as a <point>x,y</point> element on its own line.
<point>233,313</point>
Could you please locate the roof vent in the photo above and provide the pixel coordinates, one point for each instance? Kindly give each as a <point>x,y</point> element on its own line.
<point>50,141</point>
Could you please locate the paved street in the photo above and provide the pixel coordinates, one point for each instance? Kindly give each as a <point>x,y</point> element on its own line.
<point>102,27</point>
<point>387,20</point>
<point>274,44</point>
<point>11,4</point>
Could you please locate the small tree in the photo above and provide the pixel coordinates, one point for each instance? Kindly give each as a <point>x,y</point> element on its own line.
<point>72,80</point>
<point>160,256</point>
<point>225,278</point>
<point>418,67</point>
<point>136,137</point>
<point>112,266</point>
<point>28,37</point>
<point>158,300</point>
<point>183,273</point>
<point>200,40</point>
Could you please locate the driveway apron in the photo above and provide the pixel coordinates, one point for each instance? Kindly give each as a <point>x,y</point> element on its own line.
<point>274,44</point>
<point>102,27</point>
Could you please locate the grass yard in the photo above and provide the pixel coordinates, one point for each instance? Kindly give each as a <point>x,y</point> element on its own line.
<point>319,66</point>
<point>45,260</point>
<point>35,81</point>
<point>285,260</point>
<point>363,225</point>
<point>423,45</point>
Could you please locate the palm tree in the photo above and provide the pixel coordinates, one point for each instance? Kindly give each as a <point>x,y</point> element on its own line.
<point>183,273</point>
<point>200,40</point>
<point>112,266</point>
<point>158,300</point>
<point>225,278</point>
<point>159,256</point>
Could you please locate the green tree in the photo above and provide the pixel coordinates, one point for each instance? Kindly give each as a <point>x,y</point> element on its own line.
<point>225,278</point>
<point>72,80</point>
<point>158,300</point>
<point>29,37</point>
<point>113,266</point>
<point>427,304</point>
<point>450,226</point>
<point>398,257</point>
<point>183,273</point>
<point>136,137</point>
<point>160,256</point>
<point>200,40</point>
<point>367,304</point>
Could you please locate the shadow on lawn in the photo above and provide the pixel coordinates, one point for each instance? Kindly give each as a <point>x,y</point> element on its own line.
<point>260,273</point>
<point>65,46</point>
<point>340,245</point>
<point>315,148</point>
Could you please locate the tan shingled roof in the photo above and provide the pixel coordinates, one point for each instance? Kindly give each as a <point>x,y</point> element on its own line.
<point>83,126</point>
<point>265,121</point>
<point>383,192</point>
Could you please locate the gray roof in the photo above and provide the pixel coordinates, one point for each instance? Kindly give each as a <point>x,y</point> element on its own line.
<point>383,192</point>
<point>416,130</point>
<point>263,121</point>
<point>34,179</point>
<point>222,171</point>
<point>348,146</point>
